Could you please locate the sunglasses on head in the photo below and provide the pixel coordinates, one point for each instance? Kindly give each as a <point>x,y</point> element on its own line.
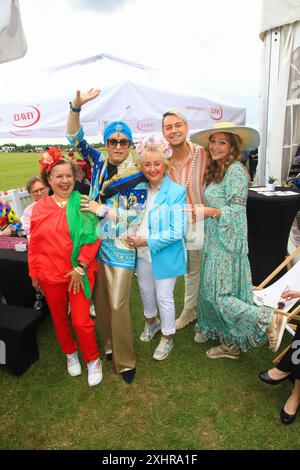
<point>112,143</point>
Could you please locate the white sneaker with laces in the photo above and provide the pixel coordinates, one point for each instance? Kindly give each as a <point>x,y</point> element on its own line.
<point>150,331</point>
<point>73,364</point>
<point>94,372</point>
<point>163,349</point>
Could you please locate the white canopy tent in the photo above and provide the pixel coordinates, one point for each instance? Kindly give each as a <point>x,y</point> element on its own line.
<point>125,95</point>
<point>280,90</point>
<point>13,43</point>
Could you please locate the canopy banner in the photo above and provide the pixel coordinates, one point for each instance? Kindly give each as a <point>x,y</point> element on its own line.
<point>140,106</point>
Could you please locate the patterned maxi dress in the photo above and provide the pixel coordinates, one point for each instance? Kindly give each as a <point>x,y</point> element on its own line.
<point>226,311</point>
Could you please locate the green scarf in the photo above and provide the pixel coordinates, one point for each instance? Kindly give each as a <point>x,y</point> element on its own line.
<point>82,227</point>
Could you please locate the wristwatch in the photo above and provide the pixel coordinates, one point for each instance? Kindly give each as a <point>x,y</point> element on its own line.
<point>75,110</point>
<point>83,266</point>
<point>102,211</point>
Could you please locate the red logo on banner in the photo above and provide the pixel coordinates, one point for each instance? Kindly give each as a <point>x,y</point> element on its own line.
<point>146,125</point>
<point>216,112</point>
<point>27,117</point>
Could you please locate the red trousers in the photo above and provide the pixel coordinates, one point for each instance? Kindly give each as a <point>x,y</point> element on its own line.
<point>58,298</point>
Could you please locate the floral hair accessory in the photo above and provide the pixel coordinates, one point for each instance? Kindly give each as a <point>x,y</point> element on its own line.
<point>84,166</point>
<point>50,158</point>
<point>152,145</point>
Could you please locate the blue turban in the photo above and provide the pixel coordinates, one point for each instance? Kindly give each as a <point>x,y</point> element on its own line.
<point>117,126</point>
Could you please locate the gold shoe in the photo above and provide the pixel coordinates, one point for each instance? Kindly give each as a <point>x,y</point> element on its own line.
<point>223,351</point>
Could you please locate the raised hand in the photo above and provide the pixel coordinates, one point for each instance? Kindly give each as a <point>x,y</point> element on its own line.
<point>83,97</point>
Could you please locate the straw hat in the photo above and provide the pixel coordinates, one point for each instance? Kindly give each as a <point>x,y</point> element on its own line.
<point>250,137</point>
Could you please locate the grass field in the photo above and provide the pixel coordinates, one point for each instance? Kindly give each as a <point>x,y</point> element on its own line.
<point>17,168</point>
<point>185,402</point>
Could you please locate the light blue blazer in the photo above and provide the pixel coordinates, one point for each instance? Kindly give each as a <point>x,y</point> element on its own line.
<point>166,231</point>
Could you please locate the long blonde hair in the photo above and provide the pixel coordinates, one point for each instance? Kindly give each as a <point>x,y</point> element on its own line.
<point>215,172</point>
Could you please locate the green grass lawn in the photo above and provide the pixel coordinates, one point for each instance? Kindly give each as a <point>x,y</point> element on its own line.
<point>185,402</point>
<point>17,168</point>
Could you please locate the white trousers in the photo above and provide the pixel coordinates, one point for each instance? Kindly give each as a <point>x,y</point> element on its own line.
<point>157,292</point>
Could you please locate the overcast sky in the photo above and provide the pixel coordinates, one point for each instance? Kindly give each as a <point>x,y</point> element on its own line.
<point>207,46</point>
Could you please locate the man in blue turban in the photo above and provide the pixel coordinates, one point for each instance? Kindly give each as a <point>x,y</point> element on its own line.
<point>118,193</point>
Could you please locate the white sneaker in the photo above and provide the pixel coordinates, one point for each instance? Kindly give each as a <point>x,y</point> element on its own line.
<point>94,372</point>
<point>73,364</point>
<point>199,338</point>
<point>92,310</point>
<point>163,349</point>
<point>150,331</point>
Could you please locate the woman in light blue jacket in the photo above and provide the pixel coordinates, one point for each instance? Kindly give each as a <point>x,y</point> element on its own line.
<point>160,243</point>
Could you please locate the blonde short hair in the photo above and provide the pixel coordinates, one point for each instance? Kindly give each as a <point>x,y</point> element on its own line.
<point>150,147</point>
<point>175,112</point>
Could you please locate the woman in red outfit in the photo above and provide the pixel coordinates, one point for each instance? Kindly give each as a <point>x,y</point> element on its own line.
<point>61,258</point>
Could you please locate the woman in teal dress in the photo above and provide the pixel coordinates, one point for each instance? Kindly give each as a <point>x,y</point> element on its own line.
<point>226,311</point>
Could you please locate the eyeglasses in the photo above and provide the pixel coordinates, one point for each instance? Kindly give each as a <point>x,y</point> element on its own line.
<point>112,143</point>
<point>37,191</point>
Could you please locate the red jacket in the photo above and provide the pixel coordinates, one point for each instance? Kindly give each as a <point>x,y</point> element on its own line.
<point>50,246</point>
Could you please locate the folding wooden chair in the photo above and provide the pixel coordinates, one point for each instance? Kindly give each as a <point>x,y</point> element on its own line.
<point>270,295</point>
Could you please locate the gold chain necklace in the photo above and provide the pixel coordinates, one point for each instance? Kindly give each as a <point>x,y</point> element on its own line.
<point>60,203</point>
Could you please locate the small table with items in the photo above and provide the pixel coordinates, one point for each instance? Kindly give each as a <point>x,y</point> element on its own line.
<point>270,216</point>
<point>20,317</point>
<point>15,283</point>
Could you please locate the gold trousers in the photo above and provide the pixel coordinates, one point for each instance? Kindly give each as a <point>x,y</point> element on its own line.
<point>113,319</point>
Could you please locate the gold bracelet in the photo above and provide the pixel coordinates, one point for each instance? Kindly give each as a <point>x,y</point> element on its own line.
<point>215,215</point>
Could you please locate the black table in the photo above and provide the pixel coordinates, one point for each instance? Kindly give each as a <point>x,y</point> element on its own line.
<point>18,328</point>
<point>269,223</point>
<point>15,283</point>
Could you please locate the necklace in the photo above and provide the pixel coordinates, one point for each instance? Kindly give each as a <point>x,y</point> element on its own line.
<point>154,190</point>
<point>60,203</point>
<point>189,176</point>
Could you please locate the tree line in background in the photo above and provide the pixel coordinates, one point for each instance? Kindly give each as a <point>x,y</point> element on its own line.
<point>28,148</point>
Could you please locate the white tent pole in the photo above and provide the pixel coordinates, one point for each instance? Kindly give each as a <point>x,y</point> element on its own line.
<point>271,66</point>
